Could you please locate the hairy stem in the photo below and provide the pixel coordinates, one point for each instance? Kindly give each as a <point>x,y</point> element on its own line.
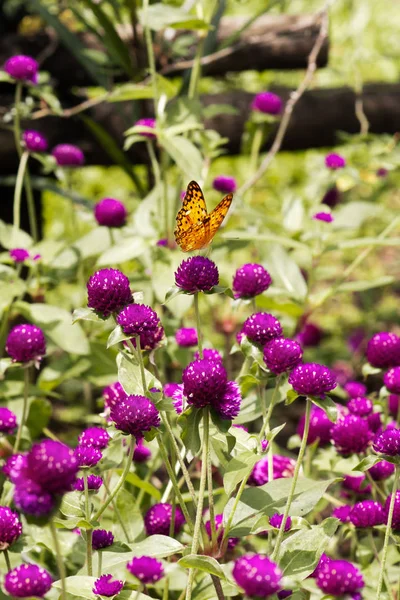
<point>89,532</point>
<point>387,533</point>
<point>24,410</point>
<point>59,560</point>
<point>7,559</point>
<point>17,194</point>
<point>198,326</point>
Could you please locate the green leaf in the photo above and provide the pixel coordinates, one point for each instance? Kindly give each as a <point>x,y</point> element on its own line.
<point>291,396</point>
<point>368,369</point>
<point>71,505</point>
<point>264,237</point>
<point>79,586</point>
<point>185,154</point>
<point>172,293</point>
<point>189,422</point>
<point>130,91</point>
<point>327,405</point>
<point>366,463</point>
<point>238,469</point>
<point>223,425</point>
<point>93,243</point>
<point>285,272</point>
<point>159,16</point>
<point>193,24</point>
<point>202,563</point>
<point>369,284</point>
<point>84,314</point>
<point>130,378</point>
<point>38,416</point>
<point>122,252</point>
<point>131,517</point>
<point>213,110</point>
<point>116,336</point>
<point>144,485</point>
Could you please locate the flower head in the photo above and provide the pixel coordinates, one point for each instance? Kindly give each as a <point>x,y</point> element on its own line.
<point>323,216</point>
<point>356,484</point>
<point>342,513</point>
<point>387,442</point>
<point>396,510</point>
<point>268,103</point>
<point>335,161</point>
<point>204,382</point>
<point>19,255</point>
<point>351,434</point>
<point>94,483</point>
<point>283,466</point>
<point>23,68</point>
<point>101,539</point>
<point>360,406</point>
<point>157,520</point>
<point>87,456</point>
<point>110,213</point>
<point>178,398</point>
<point>393,404</point>
<point>135,415</point>
<point>141,320</point>
<point>8,421</point>
<point>367,513</point>
<point>224,184</point>
<point>31,499</point>
<point>186,337</point>
<point>383,350</point>
<point>141,453</point>
<point>339,577</point>
<point>15,467</point>
<point>68,155</point>
<point>310,335</point>
<point>196,274</point>
<point>257,575</point>
<point>276,521</point>
<point>146,569</point>
<point>228,406</point>
<point>392,380</point>
<point>232,542</point>
<point>374,422</point>
<point>113,394</point>
<point>34,141</point>
<point>250,280</point>
<point>95,437</point>
<point>27,580</point>
<point>25,343</point>
<point>108,291</point>
<point>209,354</point>
<point>331,197</point>
<point>261,328</point>
<point>147,122</point>
<point>10,527</point>
<point>320,427</point>
<point>53,466</point>
<point>355,389</point>
<point>107,586</point>
<point>382,470</point>
<point>281,354</point>
<point>312,379</point>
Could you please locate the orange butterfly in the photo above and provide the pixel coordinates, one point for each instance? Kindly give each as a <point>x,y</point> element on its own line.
<point>195,227</point>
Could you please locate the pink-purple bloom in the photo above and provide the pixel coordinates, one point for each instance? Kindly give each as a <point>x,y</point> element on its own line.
<point>196,274</point>
<point>22,68</point>
<point>250,280</point>
<point>331,197</point>
<point>261,327</point>
<point>147,122</point>
<point>30,498</point>
<point>219,528</point>
<point>10,527</point>
<point>108,291</point>
<point>387,442</point>
<point>335,161</point>
<point>276,519</point>
<point>360,406</point>
<point>95,437</point>
<point>34,141</point>
<point>204,381</point>
<point>94,483</point>
<point>312,379</point>
<point>113,394</point>
<point>382,470</point>
<point>224,184</point>
<point>107,586</point>
<point>25,343</point>
<point>19,255</point>
<point>391,379</point>
<point>355,389</point>
<point>257,575</point>
<point>186,337</point>
<point>27,580</point>
<point>209,354</point>
<point>282,466</point>
<point>8,421</point>
<point>157,520</point>
<point>323,216</point>
<point>87,456</point>
<point>228,406</point>
<point>342,513</point>
<point>393,404</point>
<point>135,415</point>
<point>141,320</point>
<point>101,538</point>
<point>339,577</point>
<point>281,354</point>
<point>268,103</point>
<point>68,155</point>
<point>383,350</point>
<point>356,484</point>
<point>351,434</point>
<point>53,466</point>
<point>110,213</point>
<point>146,569</point>
<point>320,427</point>
<point>367,513</point>
<point>310,335</point>
<point>141,453</point>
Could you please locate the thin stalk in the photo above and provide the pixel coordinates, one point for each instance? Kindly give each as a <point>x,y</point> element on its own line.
<point>7,559</point>
<point>156,172</point>
<point>164,169</point>
<point>228,527</point>
<point>117,513</point>
<point>214,539</point>
<point>31,207</point>
<point>198,327</point>
<point>265,426</point>
<point>387,532</point>
<point>185,472</point>
<point>376,555</point>
<point>89,532</point>
<point>24,411</point>
<point>255,149</point>
<point>59,560</point>
<point>141,364</point>
<point>17,193</point>
<point>202,488</point>
<point>150,55</point>
<point>196,70</point>
<point>120,482</point>
<point>289,501</point>
<point>99,563</point>
<point>17,120</point>
<point>218,587</point>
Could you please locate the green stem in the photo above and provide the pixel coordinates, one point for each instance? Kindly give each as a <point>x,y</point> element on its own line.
<point>376,554</point>
<point>141,364</point>
<point>196,70</point>
<point>185,472</point>
<point>99,563</point>
<point>228,527</point>
<point>255,149</point>
<point>150,55</point>
<point>7,559</point>
<point>31,207</point>
<point>17,121</point>
<point>17,194</point>
<point>198,327</point>
<point>120,482</point>
<point>275,554</point>
<point>214,539</point>
<point>199,512</point>
<point>164,180</point>
<point>24,411</point>
<point>387,532</point>
<point>89,532</point>
<point>265,426</point>
<point>117,513</point>
<point>59,560</point>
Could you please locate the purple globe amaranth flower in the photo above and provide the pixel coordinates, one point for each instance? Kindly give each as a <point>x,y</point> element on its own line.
<point>25,343</point>
<point>15,467</point>
<point>250,280</point>
<point>94,483</point>
<point>339,577</point>
<point>113,394</point>
<point>257,575</point>
<point>19,255</point>
<point>157,520</point>
<point>391,379</point>
<point>10,527</point>
<point>146,569</point>
<point>27,580</point>
<point>31,499</point>
<point>342,513</point>
<point>23,68</point>
<point>178,398</point>
<point>375,422</point>
<point>355,389</point>
<point>310,335</point>
<point>228,406</point>
<point>170,388</point>
<point>312,379</point>
<point>87,456</point>
<point>224,184</point>
<point>101,538</point>
<point>186,337</point>
<point>8,421</point>
<point>261,328</point>
<point>387,442</point>
<point>135,415</point>
<point>393,404</point>
<point>95,437</point>
<point>283,466</point>
<point>396,511</point>
<point>147,122</point>
<point>323,216</point>
<point>383,350</point>
<point>320,427</point>
<point>351,434</point>
<point>232,542</point>
<point>281,354</point>
<point>110,213</point>
<point>382,470</point>
<point>324,558</point>
<point>34,141</point>
<point>53,466</point>
<point>196,274</point>
<point>360,406</point>
<point>331,197</point>
<point>68,155</point>
<point>276,521</point>
<point>367,513</point>
<point>284,594</point>
<point>209,354</point>
<point>141,453</point>
<point>356,484</point>
<point>108,291</point>
<point>268,103</point>
<point>382,172</point>
<point>140,320</point>
<point>107,586</point>
<point>204,382</point>
<point>335,161</point>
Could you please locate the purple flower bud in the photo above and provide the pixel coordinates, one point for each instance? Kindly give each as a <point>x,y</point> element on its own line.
<point>34,141</point>
<point>355,389</point>
<point>53,466</point>
<point>110,213</point>
<point>367,514</point>
<point>23,68</point>
<point>396,511</point>
<point>27,580</point>
<point>15,467</point>
<point>335,161</point>
<point>170,388</point>
<point>228,406</point>
<point>147,122</point>
<point>382,470</point>
<point>196,274</point>
<point>113,394</point>
<point>232,542</point>
<point>342,513</point>
<point>204,382</point>
<point>360,406</point>
<point>209,354</point>
<point>25,343</point>
<point>31,499</point>
<point>97,437</point>
<point>178,398</point>
<point>108,291</point>
<point>87,456</point>
<point>320,427</point>
<point>383,350</point>
<point>331,197</point>
<point>276,521</point>
<point>141,453</point>
<point>146,569</point>
<point>268,103</point>
<point>10,527</point>
<point>356,484</point>
<point>382,172</point>
<point>157,520</point>
<point>283,466</point>
<point>250,280</point>
<point>8,421</point>
<point>225,184</point>
<point>141,320</point>
<point>101,539</point>
<point>19,255</point>
<point>186,337</point>
<point>312,379</point>
<point>68,155</point>
<point>391,380</point>
<point>323,216</point>
<point>393,404</point>
<point>281,354</point>
<point>339,577</point>
<point>257,575</point>
<point>94,483</point>
<point>388,442</point>
<point>135,415</point>
<point>351,434</point>
<point>107,586</point>
<point>310,335</point>
<point>261,328</point>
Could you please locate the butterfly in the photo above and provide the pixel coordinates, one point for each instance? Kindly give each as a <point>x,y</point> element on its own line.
<point>195,227</point>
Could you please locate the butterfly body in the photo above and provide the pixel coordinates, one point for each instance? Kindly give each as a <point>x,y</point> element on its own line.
<point>195,227</point>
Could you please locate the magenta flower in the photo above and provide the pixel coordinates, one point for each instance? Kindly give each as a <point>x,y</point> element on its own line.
<point>257,575</point>
<point>146,569</point>
<point>68,155</point>
<point>141,453</point>
<point>261,328</point>
<point>367,513</point>
<point>139,320</point>
<point>323,216</point>
<point>281,354</point>
<point>351,434</point>
<point>110,213</point>
<point>396,511</point>
<point>355,389</point>
<point>382,470</point>
<point>19,255</point>
<point>8,421</point>
<point>27,580</point>
<point>312,379</point>
<point>94,483</point>
<point>276,521</point>
<point>268,103</point>
<point>15,467</point>
<point>232,542</point>
<point>23,68</point>
<point>97,437</point>
<point>204,382</point>
<point>178,398</point>
<point>135,415</point>
<point>196,274</point>
<point>10,527</point>
<point>87,456</point>
<point>147,122</point>
<point>335,161</point>
<point>224,184</point>
<point>342,513</point>
<point>360,406</point>
<point>26,343</point>
<point>209,354</point>
<point>102,539</point>
<point>34,141</point>
<point>283,466</point>
<point>157,520</point>
<point>391,379</point>
<point>320,427</point>
<point>250,280</point>
<point>339,577</point>
<point>387,442</point>
<point>356,485</point>
<point>108,291</point>
<point>310,335</point>
<point>107,586</point>
<point>331,197</point>
<point>53,466</point>
<point>228,406</point>
<point>113,394</point>
<point>393,404</point>
<point>383,350</point>
<point>186,337</point>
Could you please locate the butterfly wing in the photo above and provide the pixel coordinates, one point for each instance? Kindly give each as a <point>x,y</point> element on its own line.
<point>190,231</point>
<point>216,217</point>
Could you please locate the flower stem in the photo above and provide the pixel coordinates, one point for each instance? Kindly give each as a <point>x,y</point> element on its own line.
<point>197,313</point>
<point>265,426</point>
<point>17,194</point>
<point>120,482</point>
<point>150,54</point>
<point>117,513</point>
<point>255,149</point>
<point>275,554</point>
<point>141,364</point>
<point>59,560</point>
<point>214,539</point>
<point>24,411</point>
<point>89,532</point>
<point>227,528</point>
<point>99,563</point>
<point>7,559</point>
<point>17,120</point>
<point>387,532</point>
<point>185,472</point>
